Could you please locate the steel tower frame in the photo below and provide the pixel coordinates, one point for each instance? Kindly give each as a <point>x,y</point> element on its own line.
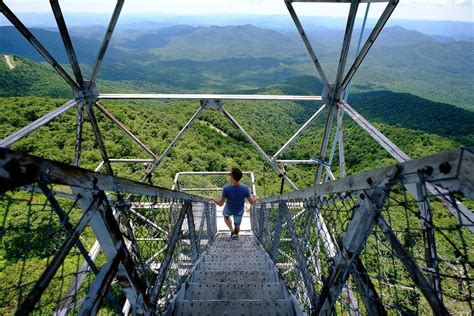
<point>87,98</point>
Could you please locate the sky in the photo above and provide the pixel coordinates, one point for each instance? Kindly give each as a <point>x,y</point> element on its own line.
<point>454,10</point>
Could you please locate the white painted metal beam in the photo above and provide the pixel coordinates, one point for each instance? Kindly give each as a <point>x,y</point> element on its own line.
<point>254,97</point>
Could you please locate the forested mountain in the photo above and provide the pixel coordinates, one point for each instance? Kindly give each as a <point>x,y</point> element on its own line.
<point>229,58</point>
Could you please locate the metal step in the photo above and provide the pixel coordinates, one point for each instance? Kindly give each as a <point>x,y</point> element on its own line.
<point>234,266</point>
<point>233,276</point>
<point>234,291</point>
<point>234,308</point>
<point>232,257</point>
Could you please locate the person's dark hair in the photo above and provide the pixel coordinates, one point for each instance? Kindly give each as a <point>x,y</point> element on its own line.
<point>236,174</point>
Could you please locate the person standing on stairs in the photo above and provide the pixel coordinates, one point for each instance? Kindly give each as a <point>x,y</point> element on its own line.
<point>234,196</point>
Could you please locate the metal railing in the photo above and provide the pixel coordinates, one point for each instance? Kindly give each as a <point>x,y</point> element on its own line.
<point>52,213</point>
<point>366,245</point>
<point>206,183</point>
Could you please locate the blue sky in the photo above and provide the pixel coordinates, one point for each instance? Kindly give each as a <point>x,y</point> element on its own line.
<point>455,10</point>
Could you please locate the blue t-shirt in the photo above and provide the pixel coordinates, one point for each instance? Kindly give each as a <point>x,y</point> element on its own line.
<point>235,198</point>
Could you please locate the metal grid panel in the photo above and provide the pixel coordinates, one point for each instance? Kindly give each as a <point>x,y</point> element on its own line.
<point>379,248</point>
<point>31,235</point>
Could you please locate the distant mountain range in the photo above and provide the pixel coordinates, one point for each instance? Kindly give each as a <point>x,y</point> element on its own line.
<point>234,58</point>
<point>451,30</point>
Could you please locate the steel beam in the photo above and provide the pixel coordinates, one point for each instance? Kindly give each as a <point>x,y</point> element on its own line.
<point>369,42</point>
<point>300,162</point>
<point>79,129</point>
<point>466,217</point>
<point>45,119</point>
<point>346,44</point>
<point>100,141</point>
<point>430,252</point>
<point>101,284</point>
<point>173,142</point>
<point>367,290</point>
<point>36,44</point>
<point>457,178</point>
<point>251,97</point>
<point>336,94</point>
<point>143,218</point>
<point>65,302</point>
<point>192,233</point>
<point>428,292</point>
<point>29,303</point>
<point>64,221</point>
<point>277,234</point>
<point>169,254</point>
<point>340,134</point>
<point>307,43</point>
<point>258,148</point>
<point>363,219</point>
<point>17,169</point>
<point>299,131</point>
<point>67,41</point>
<point>124,129</point>
<point>106,40</point>
<point>106,229</point>
<point>302,264</point>
<point>325,143</point>
<point>383,141</point>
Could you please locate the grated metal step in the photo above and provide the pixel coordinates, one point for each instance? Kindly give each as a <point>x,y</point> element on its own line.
<point>234,291</point>
<point>230,257</point>
<point>232,276</point>
<point>234,308</point>
<point>234,266</point>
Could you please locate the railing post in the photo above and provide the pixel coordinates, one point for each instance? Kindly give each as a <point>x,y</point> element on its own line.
<point>355,237</point>
<point>302,265</point>
<point>110,238</point>
<point>192,232</point>
<point>169,254</point>
<point>261,219</point>
<point>208,222</point>
<point>277,234</point>
<point>431,255</point>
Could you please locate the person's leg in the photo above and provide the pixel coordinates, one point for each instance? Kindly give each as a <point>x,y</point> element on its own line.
<point>228,222</point>
<point>237,221</point>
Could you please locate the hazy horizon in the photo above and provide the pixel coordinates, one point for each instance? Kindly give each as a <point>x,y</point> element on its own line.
<point>430,10</point>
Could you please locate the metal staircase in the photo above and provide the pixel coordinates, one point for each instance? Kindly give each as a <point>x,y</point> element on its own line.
<point>234,277</point>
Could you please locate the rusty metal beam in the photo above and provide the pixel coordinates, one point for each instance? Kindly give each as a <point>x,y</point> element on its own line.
<point>18,169</point>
